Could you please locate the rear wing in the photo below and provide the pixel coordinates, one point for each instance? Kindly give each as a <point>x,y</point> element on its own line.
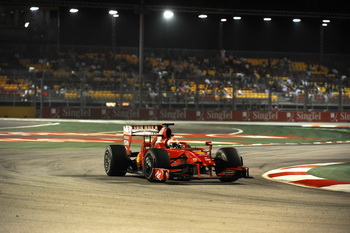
<point>141,130</point>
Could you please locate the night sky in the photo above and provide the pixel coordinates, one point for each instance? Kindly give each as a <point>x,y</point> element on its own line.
<point>93,26</point>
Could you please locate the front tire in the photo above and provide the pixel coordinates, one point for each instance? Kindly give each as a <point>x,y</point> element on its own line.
<point>155,158</point>
<point>227,158</point>
<point>116,160</point>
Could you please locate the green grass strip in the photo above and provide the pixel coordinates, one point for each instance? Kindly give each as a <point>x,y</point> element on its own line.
<point>311,134</point>
<point>339,172</point>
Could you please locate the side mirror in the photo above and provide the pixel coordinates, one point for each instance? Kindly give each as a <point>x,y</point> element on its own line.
<point>210,147</point>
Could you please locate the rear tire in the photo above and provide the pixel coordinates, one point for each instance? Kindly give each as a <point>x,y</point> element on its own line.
<point>227,157</point>
<point>155,158</point>
<point>116,160</point>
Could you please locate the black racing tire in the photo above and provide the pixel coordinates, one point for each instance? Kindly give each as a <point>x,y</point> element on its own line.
<point>227,157</point>
<point>116,160</point>
<point>155,158</point>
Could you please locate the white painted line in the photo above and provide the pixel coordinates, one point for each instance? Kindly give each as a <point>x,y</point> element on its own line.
<point>339,187</point>
<point>291,178</point>
<point>31,126</point>
<point>293,169</point>
<point>239,131</point>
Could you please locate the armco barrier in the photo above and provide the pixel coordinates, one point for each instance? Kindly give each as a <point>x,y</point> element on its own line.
<point>17,111</point>
<point>193,115</point>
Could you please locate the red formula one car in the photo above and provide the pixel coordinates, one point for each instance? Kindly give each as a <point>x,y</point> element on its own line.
<point>163,157</point>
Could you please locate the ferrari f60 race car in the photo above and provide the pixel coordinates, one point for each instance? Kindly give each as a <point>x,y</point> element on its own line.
<point>163,157</point>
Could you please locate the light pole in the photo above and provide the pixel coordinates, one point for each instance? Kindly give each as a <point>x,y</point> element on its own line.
<point>113,34</point>
<point>321,43</point>
<point>324,23</point>
<point>221,33</point>
<point>141,41</point>
<point>58,31</point>
<point>115,15</point>
<point>42,94</point>
<point>167,15</point>
<point>340,100</point>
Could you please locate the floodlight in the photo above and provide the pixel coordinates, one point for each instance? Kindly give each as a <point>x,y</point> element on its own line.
<point>34,8</point>
<point>73,10</point>
<point>113,12</point>
<point>168,14</point>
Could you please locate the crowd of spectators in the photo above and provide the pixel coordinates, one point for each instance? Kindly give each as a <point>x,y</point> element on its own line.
<point>181,76</point>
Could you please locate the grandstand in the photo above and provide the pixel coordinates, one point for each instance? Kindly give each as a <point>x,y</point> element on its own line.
<point>229,83</point>
<point>39,69</point>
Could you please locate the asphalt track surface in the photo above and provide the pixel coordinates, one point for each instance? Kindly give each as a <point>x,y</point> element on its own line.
<point>65,190</point>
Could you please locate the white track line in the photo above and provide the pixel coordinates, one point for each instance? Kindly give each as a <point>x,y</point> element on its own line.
<point>294,178</point>
<point>31,126</point>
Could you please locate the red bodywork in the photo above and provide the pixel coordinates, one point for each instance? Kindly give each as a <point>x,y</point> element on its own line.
<point>158,136</point>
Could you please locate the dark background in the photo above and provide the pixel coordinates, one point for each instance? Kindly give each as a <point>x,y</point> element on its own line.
<point>92,25</point>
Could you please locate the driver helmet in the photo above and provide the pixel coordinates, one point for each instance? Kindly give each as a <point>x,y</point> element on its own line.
<point>174,143</point>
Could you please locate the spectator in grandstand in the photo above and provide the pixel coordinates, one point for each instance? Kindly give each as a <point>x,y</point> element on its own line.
<point>326,98</point>
<point>207,81</point>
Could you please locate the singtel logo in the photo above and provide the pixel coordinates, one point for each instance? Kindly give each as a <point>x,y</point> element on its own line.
<point>174,115</point>
<point>76,112</point>
<point>222,115</point>
<point>126,113</point>
<point>308,116</point>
